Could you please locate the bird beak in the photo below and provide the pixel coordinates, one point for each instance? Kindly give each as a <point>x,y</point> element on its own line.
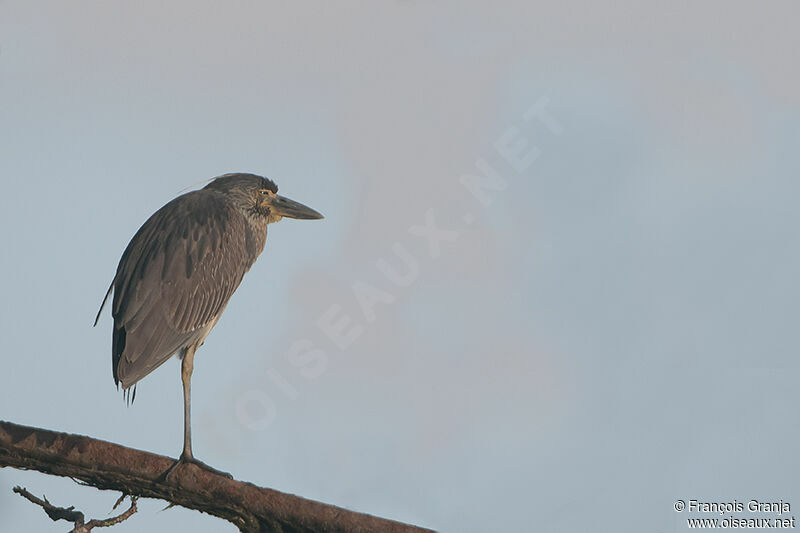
<point>280,205</point>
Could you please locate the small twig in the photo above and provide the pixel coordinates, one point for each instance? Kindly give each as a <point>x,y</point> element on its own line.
<point>168,507</point>
<point>119,501</point>
<point>114,520</point>
<point>55,513</point>
<point>76,517</point>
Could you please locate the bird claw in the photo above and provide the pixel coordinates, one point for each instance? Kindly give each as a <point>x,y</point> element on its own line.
<point>200,464</point>
<point>208,468</point>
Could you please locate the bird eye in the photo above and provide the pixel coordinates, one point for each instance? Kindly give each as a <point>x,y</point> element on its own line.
<point>263,192</point>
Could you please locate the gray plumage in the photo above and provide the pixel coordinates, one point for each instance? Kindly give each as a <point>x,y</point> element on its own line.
<point>179,271</point>
<point>183,265</point>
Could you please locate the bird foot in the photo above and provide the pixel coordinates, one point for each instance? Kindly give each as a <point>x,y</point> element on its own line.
<point>191,460</point>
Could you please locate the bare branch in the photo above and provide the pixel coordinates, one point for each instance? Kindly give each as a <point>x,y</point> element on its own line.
<point>76,517</point>
<point>108,466</point>
<point>113,520</point>
<point>55,513</point>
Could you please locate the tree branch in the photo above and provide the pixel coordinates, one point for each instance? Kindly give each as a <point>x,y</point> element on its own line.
<point>109,466</point>
<point>76,517</point>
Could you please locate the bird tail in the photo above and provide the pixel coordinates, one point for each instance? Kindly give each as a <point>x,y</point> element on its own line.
<point>102,305</point>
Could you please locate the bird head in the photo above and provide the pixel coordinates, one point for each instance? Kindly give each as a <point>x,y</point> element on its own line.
<point>260,196</point>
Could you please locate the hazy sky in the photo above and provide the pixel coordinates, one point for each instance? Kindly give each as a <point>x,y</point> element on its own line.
<point>560,247</point>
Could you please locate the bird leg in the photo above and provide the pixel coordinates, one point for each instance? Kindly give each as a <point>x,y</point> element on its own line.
<point>187,367</point>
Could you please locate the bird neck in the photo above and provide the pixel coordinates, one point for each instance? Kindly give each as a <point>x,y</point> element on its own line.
<point>255,237</point>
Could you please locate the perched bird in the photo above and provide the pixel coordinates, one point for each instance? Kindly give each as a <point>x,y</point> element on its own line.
<point>179,271</point>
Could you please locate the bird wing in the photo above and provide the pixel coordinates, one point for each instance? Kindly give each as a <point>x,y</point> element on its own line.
<point>174,280</point>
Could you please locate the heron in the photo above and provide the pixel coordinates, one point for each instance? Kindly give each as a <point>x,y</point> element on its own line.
<point>178,273</point>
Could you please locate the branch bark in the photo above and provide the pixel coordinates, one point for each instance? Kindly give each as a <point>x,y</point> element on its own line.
<point>109,466</point>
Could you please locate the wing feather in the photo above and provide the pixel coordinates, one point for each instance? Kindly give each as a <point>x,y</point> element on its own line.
<point>174,280</point>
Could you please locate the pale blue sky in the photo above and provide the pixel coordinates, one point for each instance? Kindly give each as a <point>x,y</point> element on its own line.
<point>614,331</point>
